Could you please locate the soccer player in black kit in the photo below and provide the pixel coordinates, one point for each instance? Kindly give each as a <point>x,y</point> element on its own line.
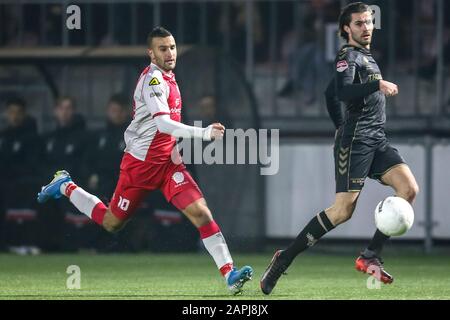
<point>361,148</point>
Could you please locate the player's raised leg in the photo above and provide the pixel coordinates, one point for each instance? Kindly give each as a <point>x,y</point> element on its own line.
<point>321,224</point>
<point>85,202</point>
<point>193,205</point>
<point>401,179</point>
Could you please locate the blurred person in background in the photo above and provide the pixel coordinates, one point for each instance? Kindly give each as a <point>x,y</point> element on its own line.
<point>234,25</point>
<point>101,165</point>
<point>105,150</point>
<point>64,146</point>
<point>304,51</point>
<point>19,160</point>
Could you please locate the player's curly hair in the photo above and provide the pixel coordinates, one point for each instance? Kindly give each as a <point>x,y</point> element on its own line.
<point>157,32</point>
<point>346,16</point>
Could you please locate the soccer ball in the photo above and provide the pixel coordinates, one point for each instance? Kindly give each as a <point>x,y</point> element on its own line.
<point>394,216</point>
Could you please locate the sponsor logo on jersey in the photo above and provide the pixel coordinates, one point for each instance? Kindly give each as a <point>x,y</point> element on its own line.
<point>341,66</point>
<point>374,77</point>
<point>154,81</point>
<point>155,94</point>
<point>175,110</point>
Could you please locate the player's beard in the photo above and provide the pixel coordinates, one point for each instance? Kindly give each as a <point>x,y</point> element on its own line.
<point>361,41</point>
<point>165,66</point>
<point>169,67</point>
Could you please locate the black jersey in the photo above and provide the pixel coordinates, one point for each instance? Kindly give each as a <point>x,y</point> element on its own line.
<point>356,84</point>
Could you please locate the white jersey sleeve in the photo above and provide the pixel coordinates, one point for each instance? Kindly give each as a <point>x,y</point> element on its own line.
<point>180,130</point>
<point>155,92</point>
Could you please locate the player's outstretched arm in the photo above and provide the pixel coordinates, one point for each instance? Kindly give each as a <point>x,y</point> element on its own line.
<point>180,130</point>
<point>155,93</point>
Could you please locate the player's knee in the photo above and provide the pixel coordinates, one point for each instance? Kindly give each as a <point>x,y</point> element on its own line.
<point>112,226</point>
<point>411,191</point>
<point>341,213</point>
<point>198,213</point>
<point>343,216</point>
<point>202,213</point>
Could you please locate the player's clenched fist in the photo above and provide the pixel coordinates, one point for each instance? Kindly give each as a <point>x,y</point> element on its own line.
<point>214,131</point>
<point>217,131</point>
<point>388,88</point>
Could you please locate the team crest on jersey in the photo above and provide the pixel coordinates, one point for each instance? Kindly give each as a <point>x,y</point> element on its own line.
<point>341,66</point>
<point>178,177</point>
<point>154,81</point>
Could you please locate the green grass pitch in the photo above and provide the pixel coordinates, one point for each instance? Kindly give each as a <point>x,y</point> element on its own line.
<point>194,276</point>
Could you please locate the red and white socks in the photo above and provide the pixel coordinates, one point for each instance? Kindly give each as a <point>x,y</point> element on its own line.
<point>217,247</point>
<point>87,203</point>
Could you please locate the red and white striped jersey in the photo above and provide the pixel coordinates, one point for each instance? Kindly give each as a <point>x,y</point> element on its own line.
<point>156,93</point>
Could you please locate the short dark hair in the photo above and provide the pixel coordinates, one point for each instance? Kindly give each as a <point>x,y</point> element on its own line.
<point>16,101</point>
<point>66,97</point>
<point>346,16</point>
<point>120,99</point>
<point>157,32</point>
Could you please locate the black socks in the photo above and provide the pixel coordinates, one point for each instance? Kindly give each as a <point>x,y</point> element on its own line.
<point>314,230</point>
<point>376,244</point>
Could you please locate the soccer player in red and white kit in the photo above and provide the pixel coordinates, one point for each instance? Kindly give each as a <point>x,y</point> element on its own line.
<point>147,163</point>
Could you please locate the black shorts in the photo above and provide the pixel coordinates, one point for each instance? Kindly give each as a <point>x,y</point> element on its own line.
<point>355,160</point>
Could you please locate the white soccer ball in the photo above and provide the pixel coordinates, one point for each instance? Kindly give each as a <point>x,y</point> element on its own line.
<point>394,216</point>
